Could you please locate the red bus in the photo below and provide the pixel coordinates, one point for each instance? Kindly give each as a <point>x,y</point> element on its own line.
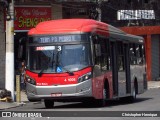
<point>83,60</point>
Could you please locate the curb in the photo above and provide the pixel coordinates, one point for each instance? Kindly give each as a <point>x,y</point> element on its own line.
<point>154,87</point>
<point>11,106</point>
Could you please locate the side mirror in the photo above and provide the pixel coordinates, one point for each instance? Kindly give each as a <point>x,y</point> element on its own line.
<point>21,48</point>
<point>20,51</point>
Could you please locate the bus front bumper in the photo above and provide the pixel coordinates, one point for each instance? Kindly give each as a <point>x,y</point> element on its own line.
<point>59,92</point>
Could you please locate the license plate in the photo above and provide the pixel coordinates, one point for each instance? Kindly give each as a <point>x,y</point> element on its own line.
<point>56,94</point>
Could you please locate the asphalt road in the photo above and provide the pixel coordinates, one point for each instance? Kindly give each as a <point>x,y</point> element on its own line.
<point>148,101</point>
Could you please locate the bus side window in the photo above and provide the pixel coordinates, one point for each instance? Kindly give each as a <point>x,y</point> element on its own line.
<point>121,66</point>
<point>132,53</point>
<point>97,50</point>
<point>143,54</point>
<point>105,54</point>
<point>137,54</point>
<point>140,54</point>
<point>102,53</point>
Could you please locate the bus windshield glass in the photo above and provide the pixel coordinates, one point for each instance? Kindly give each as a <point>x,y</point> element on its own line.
<point>59,58</point>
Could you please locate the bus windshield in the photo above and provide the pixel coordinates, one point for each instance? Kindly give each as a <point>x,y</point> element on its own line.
<point>58,59</point>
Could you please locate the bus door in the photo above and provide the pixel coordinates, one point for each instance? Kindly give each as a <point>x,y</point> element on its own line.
<point>121,69</point>
<point>124,83</point>
<point>127,68</point>
<point>114,68</point>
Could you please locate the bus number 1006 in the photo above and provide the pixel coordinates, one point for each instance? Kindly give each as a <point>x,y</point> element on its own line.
<point>71,79</point>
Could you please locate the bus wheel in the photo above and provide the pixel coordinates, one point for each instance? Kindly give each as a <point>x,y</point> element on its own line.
<point>49,103</point>
<point>105,94</point>
<point>102,102</point>
<point>134,95</point>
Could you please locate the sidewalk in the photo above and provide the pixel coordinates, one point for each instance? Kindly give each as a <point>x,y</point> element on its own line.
<point>6,105</point>
<point>153,84</point>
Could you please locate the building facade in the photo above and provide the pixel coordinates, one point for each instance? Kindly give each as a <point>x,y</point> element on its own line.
<point>110,12</point>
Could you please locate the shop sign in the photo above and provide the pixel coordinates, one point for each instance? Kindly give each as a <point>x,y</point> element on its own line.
<point>135,14</point>
<point>27,17</point>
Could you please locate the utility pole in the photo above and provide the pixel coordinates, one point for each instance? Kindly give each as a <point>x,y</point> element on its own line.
<point>99,10</point>
<point>9,71</point>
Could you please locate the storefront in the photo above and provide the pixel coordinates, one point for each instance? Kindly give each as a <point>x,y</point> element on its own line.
<point>27,17</point>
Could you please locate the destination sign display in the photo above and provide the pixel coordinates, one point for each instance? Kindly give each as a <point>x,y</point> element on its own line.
<point>57,39</point>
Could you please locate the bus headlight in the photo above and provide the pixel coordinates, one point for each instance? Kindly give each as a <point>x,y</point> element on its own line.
<point>85,77</point>
<point>30,80</point>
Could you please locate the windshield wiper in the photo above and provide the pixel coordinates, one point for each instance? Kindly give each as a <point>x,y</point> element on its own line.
<point>69,72</point>
<point>45,67</point>
<point>40,73</point>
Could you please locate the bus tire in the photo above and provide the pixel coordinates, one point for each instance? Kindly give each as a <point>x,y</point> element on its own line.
<point>102,102</point>
<point>134,94</point>
<point>49,103</point>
